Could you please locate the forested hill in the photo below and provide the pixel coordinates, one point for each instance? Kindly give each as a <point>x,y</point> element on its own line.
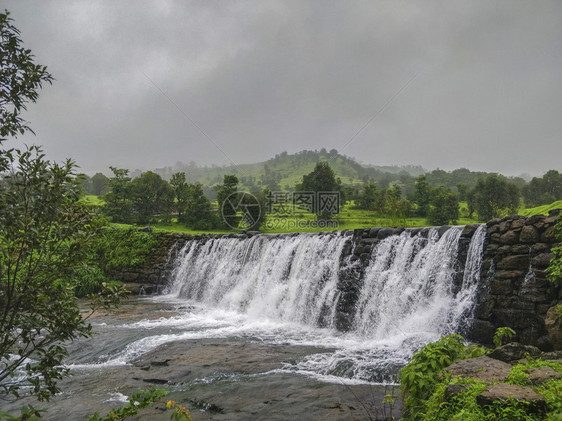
<point>285,170</point>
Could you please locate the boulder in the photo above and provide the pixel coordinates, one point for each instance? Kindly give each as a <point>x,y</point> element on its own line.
<point>512,391</point>
<point>509,237</point>
<point>485,369</point>
<point>514,351</point>
<point>539,375</point>
<point>529,234</point>
<point>553,325</point>
<point>454,389</point>
<point>385,233</point>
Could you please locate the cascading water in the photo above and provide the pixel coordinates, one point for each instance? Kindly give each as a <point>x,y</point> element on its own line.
<point>288,278</point>
<point>407,296</point>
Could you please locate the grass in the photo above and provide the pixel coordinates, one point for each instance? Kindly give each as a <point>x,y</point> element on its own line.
<point>541,210</point>
<point>348,219</point>
<point>92,200</point>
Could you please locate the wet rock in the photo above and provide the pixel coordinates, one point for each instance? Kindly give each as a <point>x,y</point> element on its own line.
<point>514,351</point>
<point>542,260</point>
<point>510,237</point>
<point>484,368</point>
<point>553,325</point>
<point>552,355</point>
<point>374,231</point>
<point>385,233</point>
<point>453,390</point>
<point>549,235</point>
<point>539,375</point>
<point>442,230</point>
<point>469,230</point>
<point>500,392</point>
<point>529,234</point>
<point>520,262</point>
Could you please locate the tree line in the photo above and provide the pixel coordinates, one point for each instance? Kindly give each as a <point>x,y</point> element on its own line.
<point>149,198</point>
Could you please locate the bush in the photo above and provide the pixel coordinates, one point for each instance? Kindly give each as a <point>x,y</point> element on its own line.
<point>112,249</point>
<point>420,377</point>
<point>425,385</point>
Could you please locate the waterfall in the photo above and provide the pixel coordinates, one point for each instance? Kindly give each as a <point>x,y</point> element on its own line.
<point>287,278</point>
<point>406,286</point>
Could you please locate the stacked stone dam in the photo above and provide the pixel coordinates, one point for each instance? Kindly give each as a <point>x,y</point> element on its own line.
<point>515,291</point>
<point>512,287</point>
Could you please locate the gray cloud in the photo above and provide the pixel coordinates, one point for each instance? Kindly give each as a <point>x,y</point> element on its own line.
<point>263,77</point>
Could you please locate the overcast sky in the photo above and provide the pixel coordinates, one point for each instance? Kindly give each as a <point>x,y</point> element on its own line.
<point>442,84</point>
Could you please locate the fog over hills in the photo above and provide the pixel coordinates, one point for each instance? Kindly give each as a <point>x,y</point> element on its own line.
<point>438,84</point>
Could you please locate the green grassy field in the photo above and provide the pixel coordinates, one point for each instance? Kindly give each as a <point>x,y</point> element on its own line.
<point>541,209</point>
<point>349,218</point>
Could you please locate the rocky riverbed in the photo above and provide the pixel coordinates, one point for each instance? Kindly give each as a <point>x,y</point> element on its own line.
<point>218,375</point>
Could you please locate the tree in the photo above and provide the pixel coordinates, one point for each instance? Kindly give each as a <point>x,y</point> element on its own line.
<point>444,206</point>
<point>368,198</point>
<point>181,190</point>
<point>422,195</point>
<point>254,206</point>
<point>227,199</point>
<point>494,196</point>
<point>322,180</point>
<point>99,184</point>
<point>543,190</point>
<point>151,197</point>
<point>20,79</point>
<point>394,206</point>
<point>43,230</point>
<point>118,200</point>
<point>198,212</point>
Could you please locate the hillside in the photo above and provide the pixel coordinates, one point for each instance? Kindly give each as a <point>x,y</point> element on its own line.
<point>285,170</point>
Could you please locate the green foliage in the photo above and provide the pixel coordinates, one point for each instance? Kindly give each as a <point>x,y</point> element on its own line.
<point>27,413</point>
<point>152,197</point>
<point>140,400</point>
<point>20,79</point>
<point>394,205</point>
<point>541,210</point>
<point>142,200</point>
<point>444,206</point>
<point>494,196</point>
<point>227,199</point>
<point>368,197</point>
<point>198,211</point>
<point>43,230</point>
<point>420,377</point>
<point>554,269</point>
<point>432,405</point>
<point>111,249</point>
<point>118,201</point>
<point>321,179</point>
<point>99,184</point>
<point>543,190</point>
<point>422,196</point>
<point>180,188</point>
<point>502,334</point>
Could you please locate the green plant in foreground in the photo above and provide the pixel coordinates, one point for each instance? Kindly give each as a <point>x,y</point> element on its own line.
<point>435,406</point>
<point>502,333</point>
<point>421,376</point>
<point>141,400</point>
<point>555,267</point>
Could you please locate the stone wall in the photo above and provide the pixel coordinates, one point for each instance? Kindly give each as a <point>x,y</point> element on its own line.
<point>514,291</point>
<point>148,276</point>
